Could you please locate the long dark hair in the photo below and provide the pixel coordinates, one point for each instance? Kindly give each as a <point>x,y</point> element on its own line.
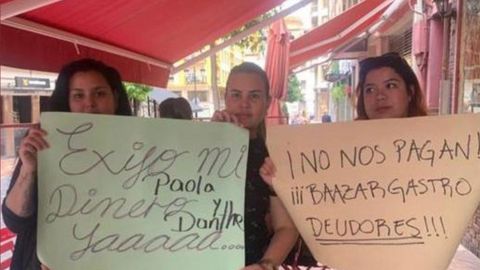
<point>251,68</point>
<point>416,106</point>
<point>59,100</point>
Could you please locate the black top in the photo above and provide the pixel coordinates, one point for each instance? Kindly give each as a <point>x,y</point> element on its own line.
<point>25,252</point>
<point>257,204</point>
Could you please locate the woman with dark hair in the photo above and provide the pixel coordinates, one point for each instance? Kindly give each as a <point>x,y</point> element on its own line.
<point>60,102</point>
<point>175,108</point>
<point>246,100</point>
<point>83,86</point>
<point>388,88</point>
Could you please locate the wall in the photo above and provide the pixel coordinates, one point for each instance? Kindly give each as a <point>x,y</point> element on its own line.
<point>470,70</point>
<point>471,239</point>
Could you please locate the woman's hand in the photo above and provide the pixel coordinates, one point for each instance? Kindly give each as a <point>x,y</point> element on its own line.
<point>268,171</point>
<point>224,116</point>
<point>20,200</point>
<point>29,147</point>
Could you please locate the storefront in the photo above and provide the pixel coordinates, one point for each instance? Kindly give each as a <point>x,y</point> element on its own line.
<point>469,85</point>
<point>22,99</point>
<point>470,62</point>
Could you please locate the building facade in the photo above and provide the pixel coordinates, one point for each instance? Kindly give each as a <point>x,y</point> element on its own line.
<point>24,94</point>
<point>197,84</point>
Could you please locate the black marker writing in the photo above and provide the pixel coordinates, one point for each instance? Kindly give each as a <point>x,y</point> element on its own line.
<point>404,190</point>
<point>149,161</point>
<point>364,155</point>
<point>65,202</point>
<point>218,159</point>
<point>314,161</point>
<point>95,242</point>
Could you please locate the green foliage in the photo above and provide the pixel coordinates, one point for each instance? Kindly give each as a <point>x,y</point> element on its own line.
<point>137,92</point>
<point>335,67</point>
<point>338,92</point>
<point>254,43</point>
<point>285,111</point>
<point>294,92</point>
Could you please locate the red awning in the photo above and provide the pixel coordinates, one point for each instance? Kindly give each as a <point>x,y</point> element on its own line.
<point>337,31</point>
<point>401,13</point>
<point>167,31</point>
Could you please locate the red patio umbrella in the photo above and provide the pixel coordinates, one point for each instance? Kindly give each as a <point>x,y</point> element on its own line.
<point>276,66</point>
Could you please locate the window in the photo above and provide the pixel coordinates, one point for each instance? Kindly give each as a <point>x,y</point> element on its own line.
<point>22,109</point>
<point>201,95</point>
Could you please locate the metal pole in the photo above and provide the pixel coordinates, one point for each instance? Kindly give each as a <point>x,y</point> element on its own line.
<point>446,47</point>
<point>213,69</point>
<point>445,96</point>
<point>195,89</point>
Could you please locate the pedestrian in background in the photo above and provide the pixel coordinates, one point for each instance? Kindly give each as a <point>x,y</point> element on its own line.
<point>175,108</point>
<point>387,88</point>
<point>326,118</point>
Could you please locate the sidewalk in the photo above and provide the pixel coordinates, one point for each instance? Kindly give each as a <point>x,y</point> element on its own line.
<point>464,260</point>
<point>6,166</point>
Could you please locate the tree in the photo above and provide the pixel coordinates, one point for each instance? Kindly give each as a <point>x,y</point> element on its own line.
<point>338,92</point>
<point>338,95</point>
<point>137,93</point>
<point>254,43</point>
<point>294,93</point>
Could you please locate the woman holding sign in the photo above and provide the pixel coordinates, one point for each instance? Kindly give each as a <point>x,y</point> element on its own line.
<point>246,100</point>
<point>387,88</point>
<point>83,86</point>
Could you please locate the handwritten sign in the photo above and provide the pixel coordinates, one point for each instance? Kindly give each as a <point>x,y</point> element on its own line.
<point>128,193</point>
<point>380,194</point>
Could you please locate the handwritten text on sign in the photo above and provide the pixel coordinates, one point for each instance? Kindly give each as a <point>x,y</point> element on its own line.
<point>398,188</point>
<point>129,193</point>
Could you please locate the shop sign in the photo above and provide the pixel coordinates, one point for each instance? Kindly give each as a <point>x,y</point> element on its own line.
<point>32,82</point>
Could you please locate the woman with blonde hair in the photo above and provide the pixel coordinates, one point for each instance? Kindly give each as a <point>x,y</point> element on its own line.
<point>247,99</point>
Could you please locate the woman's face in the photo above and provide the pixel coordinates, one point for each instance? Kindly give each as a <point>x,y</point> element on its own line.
<point>247,99</point>
<point>90,93</point>
<point>385,94</point>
